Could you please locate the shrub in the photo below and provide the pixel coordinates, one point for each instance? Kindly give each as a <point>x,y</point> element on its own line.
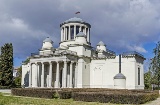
<point>65,94</point>
<point>40,93</point>
<point>115,97</point>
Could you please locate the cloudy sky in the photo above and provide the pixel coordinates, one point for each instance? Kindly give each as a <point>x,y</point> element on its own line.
<point>124,25</point>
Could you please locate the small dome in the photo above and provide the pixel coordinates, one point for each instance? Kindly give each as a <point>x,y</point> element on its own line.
<point>48,40</point>
<point>101,44</point>
<point>119,76</point>
<point>74,19</point>
<point>81,34</point>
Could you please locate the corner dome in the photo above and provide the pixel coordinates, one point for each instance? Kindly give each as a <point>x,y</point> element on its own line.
<point>119,76</point>
<point>48,40</point>
<point>81,34</point>
<point>74,19</point>
<point>101,44</point>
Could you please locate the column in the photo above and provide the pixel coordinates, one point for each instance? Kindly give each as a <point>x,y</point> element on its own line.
<point>69,35</point>
<point>71,69</point>
<point>36,74</point>
<point>61,34</point>
<point>50,74</point>
<point>76,71</point>
<point>85,31</point>
<point>88,35</point>
<point>42,76</point>
<point>64,31</point>
<point>30,75</point>
<point>64,75</point>
<point>80,27</point>
<point>57,76</point>
<point>74,31</point>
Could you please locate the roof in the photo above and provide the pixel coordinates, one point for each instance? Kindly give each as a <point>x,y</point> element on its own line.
<point>75,20</point>
<point>101,44</point>
<point>48,40</point>
<point>80,34</point>
<point>119,76</point>
<point>132,53</point>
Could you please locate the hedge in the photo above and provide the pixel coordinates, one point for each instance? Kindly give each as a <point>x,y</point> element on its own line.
<point>40,93</point>
<point>115,97</point>
<point>102,95</point>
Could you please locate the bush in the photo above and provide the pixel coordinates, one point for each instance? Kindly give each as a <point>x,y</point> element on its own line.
<point>65,94</point>
<point>115,97</point>
<point>31,92</point>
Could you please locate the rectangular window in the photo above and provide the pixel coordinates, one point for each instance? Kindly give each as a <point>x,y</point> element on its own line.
<point>138,76</point>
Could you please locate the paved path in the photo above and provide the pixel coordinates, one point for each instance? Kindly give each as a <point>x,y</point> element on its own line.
<point>5,90</point>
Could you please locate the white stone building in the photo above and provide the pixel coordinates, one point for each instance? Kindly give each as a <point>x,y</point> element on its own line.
<point>76,64</point>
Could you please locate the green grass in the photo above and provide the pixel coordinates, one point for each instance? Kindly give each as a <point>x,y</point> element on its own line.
<point>14,100</point>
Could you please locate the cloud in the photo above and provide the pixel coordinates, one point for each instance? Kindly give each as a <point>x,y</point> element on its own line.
<point>121,24</point>
<point>137,48</point>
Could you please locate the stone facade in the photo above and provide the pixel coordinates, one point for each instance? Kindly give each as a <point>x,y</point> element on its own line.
<point>76,64</point>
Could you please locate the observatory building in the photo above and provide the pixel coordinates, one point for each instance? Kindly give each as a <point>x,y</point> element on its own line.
<point>77,64</point>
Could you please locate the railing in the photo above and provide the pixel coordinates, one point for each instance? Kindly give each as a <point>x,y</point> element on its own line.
<point>52,53</point>
<point>132,53</point>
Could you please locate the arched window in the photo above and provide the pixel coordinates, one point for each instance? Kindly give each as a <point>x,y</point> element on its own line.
<point>138,76</point>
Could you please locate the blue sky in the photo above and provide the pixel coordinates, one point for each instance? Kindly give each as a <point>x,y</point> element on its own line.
<point>123,25</point>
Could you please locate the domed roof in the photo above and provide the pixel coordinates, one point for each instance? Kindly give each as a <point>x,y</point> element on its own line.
<point>74,19</point>
<point>101,44</point>
<point>80,34</point>
<point>48,40</point>
<point>119,76</point>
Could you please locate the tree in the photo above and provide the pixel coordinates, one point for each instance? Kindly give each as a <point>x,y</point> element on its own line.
<point>155,65</point>
<point>6,75</point>
<point>148,80</point>
<point>17,80</point>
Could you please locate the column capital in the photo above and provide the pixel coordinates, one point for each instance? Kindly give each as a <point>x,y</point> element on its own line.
<point>50,62</point>
<point>72,62</point>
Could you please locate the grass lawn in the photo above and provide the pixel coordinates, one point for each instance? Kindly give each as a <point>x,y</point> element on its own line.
<point>14,100</point>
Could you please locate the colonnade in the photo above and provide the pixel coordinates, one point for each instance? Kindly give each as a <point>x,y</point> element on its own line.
<point>65,74</point>
<point>68,32</point>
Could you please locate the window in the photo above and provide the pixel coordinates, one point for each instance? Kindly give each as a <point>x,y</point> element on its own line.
<point>138,76</point>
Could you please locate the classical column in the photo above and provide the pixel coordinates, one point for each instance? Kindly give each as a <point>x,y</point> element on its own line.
<point>66,33</point>
<point>61,34</point>
<point>64,30</point>
<point>74,31</point>
<point>57,76</point>
<point>85,31</point>
<point>69,35</point>
<point>88,35</point>
<point>30,75</point>
<point>76,71</point>
<point>80,27</point>
<point>64,75</point>
<point>42,76</point>
<point>36,75</point>
<point>70,81</point>
<point>50,74</point>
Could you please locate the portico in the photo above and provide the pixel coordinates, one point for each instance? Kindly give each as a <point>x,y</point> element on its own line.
<point>58,74</point>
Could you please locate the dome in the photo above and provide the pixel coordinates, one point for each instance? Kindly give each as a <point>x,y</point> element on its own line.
<point>80,34</point>
<point>119,76</point>
<point>101,44</point>
<point>74,19</point>
<point>48,40</point>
